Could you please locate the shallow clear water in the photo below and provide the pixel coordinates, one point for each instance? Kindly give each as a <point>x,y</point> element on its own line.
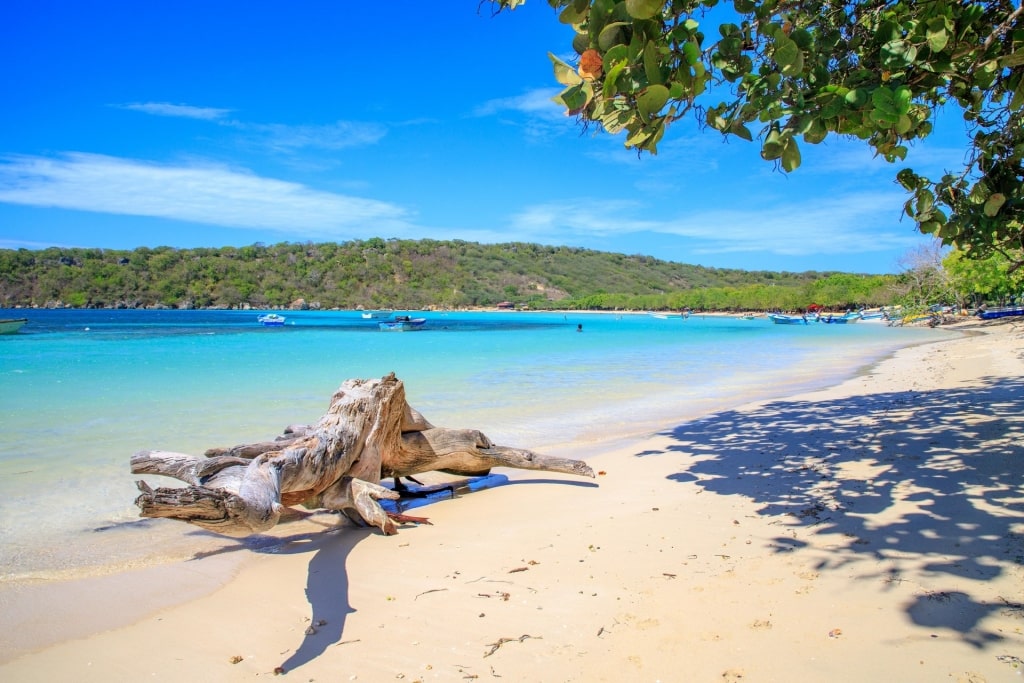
<point>80,391</point>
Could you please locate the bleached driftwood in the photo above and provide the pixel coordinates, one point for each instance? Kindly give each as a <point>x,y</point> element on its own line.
<point>369,432</point>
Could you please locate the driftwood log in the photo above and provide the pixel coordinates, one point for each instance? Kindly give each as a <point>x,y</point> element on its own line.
<point>368,433</point>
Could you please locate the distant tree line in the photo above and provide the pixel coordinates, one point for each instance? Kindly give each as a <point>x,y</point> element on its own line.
<point>412,274</point>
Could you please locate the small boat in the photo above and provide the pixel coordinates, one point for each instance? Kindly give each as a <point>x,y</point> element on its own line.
<point>876,316</point>
<point>844,319</point>
<point>402,323</point>
<point>1002,312</point>
<point>271,320</point>
<point>11,325</point>
<point>782,319</point>
<point>382,314</point>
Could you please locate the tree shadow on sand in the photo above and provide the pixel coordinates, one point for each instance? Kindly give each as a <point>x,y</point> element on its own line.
<point>928,482</point>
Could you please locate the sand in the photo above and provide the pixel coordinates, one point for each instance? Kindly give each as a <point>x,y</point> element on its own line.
<point>872,531</point>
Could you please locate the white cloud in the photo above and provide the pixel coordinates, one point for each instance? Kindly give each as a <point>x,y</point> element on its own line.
<point>275,136</point>
<point>854,223</point>
<point>284,138</point>
<point>26,244</point>
<point>534,102</point>
<point>176,110</point>
<point>195,193</point>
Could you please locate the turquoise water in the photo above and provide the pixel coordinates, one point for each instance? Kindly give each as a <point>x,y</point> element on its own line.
<point>80,391</point>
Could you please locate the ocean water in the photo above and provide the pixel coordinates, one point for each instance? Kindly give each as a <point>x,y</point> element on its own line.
<point>80,391</point>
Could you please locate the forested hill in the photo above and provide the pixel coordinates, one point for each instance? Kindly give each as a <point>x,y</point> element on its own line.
<point>404,274</point>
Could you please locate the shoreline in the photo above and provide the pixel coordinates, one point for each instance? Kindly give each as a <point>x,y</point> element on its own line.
<point>677,548</point>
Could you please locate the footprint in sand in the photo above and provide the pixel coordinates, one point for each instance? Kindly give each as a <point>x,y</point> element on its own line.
<point>970,677</point>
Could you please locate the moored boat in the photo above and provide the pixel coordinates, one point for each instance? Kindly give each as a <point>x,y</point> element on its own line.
<point>1001,312</point>
<point>847,318</point>
<point>382,314</point>
<point>402,323</point>
<point>11,325</point>
<point>875,316</point>
<point>782,319</point>
<point>271,320</point>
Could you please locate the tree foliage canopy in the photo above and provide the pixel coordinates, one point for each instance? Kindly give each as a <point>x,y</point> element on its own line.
<point>792,72</point>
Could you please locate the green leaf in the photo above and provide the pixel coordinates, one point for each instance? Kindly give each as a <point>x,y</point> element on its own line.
<point>637,137</point>
<point>576,98</point>
<point>611,35</point>
<point>901,99</point>
<point>617,54</point>
<point>773,144</point>
<point>897,54</point>
<point>816,132</point>
<point>788,56</point>
<point>925,202</point>
<point>994,203</point>
<point>564,74</point>
<point>581,43</point>
<point>644,9</point>
<point>570,15</point>
<point>692,53</point>
<point>936,34</point>
<point>898,152</point>
<point>610,87</point>
<point>1018,94</point>
<point>730,46</point>
<point>858,97</point>
<point>790,155</point>
<point>652,63</point>
<point>882,98</point>
<point>1011,60</point>
<point>739,130</point>
<point>652,100</point>
<point>728,30</point>
<point>908,179</point>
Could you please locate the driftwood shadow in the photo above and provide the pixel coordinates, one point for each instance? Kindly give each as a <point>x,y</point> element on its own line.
<point>897,480</point>
<point>326,590</point>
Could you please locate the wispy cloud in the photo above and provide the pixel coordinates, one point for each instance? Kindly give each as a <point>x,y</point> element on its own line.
<point>176,110</point>
<point>275,136</point>
<point>853,223</point>
<point>283,138</point>
<point>27,244</point>
<point>195,193</point>
<point>533,102</point>
<point>533,112</point>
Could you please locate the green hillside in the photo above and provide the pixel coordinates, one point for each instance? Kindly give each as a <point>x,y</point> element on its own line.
<point>406,274</point>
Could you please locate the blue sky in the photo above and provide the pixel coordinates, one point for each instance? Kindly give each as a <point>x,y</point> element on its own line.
<point>186,123</point>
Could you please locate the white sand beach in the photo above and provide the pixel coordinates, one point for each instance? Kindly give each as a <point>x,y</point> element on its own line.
<point>872,531</point>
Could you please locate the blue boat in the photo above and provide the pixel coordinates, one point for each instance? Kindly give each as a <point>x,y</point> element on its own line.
<point>839,319</point>
<point>1002,312</point>
<point>782,319</point>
